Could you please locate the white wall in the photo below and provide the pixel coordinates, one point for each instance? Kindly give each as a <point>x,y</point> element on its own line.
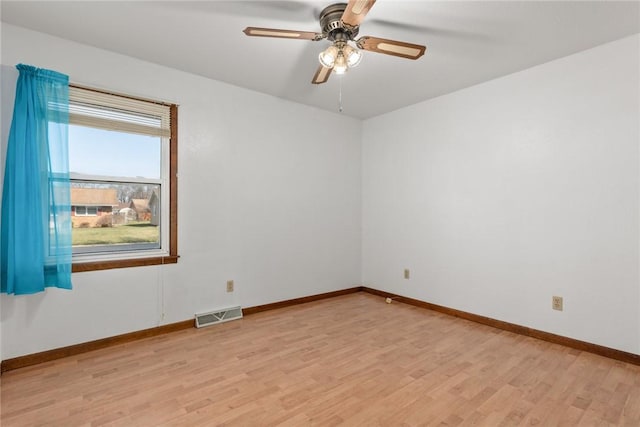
<point>269,196</point>
<point>501,195</point>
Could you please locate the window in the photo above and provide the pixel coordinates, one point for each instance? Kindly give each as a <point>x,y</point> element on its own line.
<point>85,210</point>
<point>122,163</point>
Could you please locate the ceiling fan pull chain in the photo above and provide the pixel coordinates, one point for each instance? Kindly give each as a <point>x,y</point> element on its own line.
<point>340,96</point>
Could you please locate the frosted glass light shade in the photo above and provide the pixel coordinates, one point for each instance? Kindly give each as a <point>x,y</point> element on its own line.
<point>328,57</point>
<point>353,55</point>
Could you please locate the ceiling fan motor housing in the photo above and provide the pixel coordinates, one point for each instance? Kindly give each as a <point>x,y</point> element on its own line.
<point>332,25</point>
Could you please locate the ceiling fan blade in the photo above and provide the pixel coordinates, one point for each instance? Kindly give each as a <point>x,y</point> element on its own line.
<point>322,75</point>
<point>356,11</point>
<point>391,47</point>
<point>284,34</point>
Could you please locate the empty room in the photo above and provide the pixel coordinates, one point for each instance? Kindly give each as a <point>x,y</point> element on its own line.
<point>308,213</point>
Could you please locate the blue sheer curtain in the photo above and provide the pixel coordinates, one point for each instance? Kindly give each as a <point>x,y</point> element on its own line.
<point>36,209</point>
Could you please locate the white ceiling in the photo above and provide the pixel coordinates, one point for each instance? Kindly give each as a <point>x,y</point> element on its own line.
<point>467,42</point>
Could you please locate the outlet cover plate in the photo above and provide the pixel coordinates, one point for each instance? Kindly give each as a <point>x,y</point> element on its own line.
<point>556,303</point>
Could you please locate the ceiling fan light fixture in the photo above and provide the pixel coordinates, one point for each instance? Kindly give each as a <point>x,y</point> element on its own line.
<point>340,57</point>
<point>328,56</point>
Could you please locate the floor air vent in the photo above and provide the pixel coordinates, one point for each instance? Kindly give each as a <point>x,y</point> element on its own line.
<point>213,317</point>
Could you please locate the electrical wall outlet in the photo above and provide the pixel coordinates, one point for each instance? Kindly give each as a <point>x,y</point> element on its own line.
<point>556,303</point>
<point>407,273</point>
<point>229,285</point>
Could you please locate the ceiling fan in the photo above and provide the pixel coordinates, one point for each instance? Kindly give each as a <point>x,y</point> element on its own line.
<point>340,24</point>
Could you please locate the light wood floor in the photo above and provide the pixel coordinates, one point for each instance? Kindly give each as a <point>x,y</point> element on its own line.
<point>351,360</point>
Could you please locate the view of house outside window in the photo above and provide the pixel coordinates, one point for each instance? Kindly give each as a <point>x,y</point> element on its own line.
<point>114,216</point>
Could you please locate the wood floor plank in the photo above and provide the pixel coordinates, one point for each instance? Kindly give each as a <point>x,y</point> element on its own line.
<point>349,360</point>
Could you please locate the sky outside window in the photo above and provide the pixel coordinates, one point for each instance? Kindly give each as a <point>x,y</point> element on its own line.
<point>95,151</point>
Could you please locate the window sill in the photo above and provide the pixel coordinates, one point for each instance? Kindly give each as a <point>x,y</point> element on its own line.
<point>80,267</point>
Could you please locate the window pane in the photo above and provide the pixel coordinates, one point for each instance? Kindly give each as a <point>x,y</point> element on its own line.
<point>95,151</point>
<point>115,216</point>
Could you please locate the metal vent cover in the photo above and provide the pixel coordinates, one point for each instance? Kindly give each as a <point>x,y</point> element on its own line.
<point>218,316</point>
